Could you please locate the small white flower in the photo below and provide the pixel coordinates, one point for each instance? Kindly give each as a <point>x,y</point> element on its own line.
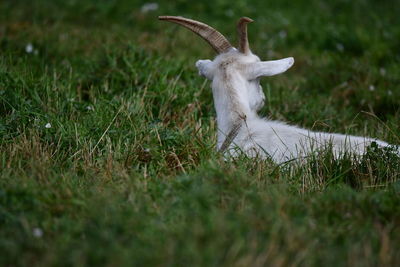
<point>147,150</point>
<point>89,108</point>
<point>37,232</point>
<point>382,71</point>
<point>371,87</point>
<point>390,92</point>
<point>29,48</point>
<point>340,47</point>
<point>148,7</point>
<point>282,34</point>
<point>48,125</point>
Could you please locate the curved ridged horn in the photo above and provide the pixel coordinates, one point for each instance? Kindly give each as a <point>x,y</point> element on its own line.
<point>211,35</point>
<point>242,32</point>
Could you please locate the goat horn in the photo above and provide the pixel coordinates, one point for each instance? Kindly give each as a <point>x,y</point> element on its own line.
<point>242,32</point>
<point>211,35</point>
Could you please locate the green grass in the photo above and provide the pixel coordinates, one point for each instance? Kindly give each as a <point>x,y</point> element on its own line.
<point>127,173</point>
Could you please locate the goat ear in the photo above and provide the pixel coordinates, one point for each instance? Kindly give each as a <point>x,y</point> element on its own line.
<point>269,68</point>
<point>206,68</point>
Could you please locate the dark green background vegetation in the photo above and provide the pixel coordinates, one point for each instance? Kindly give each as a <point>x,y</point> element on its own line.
<point>127,173</point>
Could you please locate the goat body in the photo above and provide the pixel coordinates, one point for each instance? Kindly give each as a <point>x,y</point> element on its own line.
<point>238,96</point>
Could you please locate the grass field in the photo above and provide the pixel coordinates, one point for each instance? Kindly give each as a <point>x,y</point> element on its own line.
<point>107,136</point>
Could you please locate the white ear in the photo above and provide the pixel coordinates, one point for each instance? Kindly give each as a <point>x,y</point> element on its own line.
<point>269,68</point>
<point>206,68</point>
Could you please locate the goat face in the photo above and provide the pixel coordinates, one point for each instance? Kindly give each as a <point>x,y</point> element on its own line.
<point>236,74</point>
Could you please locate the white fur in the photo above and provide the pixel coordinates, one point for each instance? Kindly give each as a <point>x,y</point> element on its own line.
<point>238,96</point>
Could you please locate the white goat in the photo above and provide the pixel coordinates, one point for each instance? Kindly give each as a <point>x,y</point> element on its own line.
<point>235,75</point>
